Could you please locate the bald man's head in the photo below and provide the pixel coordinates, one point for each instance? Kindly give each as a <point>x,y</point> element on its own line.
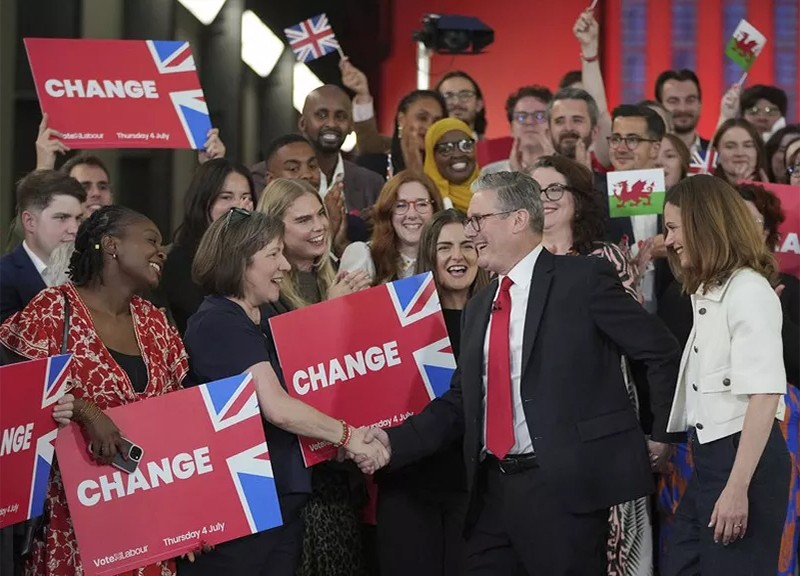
<point>327,118</point>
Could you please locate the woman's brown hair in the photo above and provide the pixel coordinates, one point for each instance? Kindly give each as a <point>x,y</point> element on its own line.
<point>758,142</point>
<point>719,234</point>
<point>426,256</point>
<point>769,206</point>
<point>682,151</point>
<point>588,221</point>
<point>383,245</point>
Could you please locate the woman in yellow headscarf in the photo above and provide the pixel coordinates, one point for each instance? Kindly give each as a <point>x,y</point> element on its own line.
<point>450,160</point>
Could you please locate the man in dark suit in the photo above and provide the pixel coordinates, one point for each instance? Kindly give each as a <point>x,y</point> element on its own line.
<point>326,121</point>
<point>50,208</point>
<point>551,439</point>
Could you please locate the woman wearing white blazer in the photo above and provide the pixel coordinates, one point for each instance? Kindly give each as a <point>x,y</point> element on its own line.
<point>730,387</point>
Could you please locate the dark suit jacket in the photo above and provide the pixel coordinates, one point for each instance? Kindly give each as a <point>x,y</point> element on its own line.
<point>361,186</point>
<point>19,282</point>
<point>582,423</point>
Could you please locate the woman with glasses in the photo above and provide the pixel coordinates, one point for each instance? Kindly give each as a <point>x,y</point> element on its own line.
<point>450,161</point>
<point>730,389</point>
<point>405,204</point>
<point>421,507</point>
<point>217,186</point>
<point>240,264</point>
<point>776,152</point>
<point>332,542</point>
<point>793,163</point>
<point>740,151</point>
<point>573,225</point>
<point>123,351</point>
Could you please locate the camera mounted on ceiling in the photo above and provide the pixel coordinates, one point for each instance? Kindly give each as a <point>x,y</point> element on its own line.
<point>451,34</point>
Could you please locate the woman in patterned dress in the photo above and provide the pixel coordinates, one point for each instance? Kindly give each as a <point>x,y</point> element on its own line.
<point>573,224</point>
<point>123,351</point>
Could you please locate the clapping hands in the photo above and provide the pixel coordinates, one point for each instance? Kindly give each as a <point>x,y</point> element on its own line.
<point>370,449</point>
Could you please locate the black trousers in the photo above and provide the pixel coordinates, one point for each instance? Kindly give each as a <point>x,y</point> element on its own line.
<point>691,549</point>
<point>271,553</point>
<point>420,534</point>
<point>523,528</point>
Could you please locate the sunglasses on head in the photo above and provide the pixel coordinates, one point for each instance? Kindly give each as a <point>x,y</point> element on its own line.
<point>235,215</point>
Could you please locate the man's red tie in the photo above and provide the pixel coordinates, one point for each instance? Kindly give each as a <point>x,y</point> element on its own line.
<point>499,414</point>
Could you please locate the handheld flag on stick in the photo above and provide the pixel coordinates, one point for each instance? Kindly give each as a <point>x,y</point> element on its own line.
<point>312,39</point>
<point>635,192</point>
<point>702,165</point>
<point>745,45</point>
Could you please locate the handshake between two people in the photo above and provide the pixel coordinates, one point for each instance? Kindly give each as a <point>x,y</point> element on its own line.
<point>369,448</point>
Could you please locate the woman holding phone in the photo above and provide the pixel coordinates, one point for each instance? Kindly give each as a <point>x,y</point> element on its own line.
<point>123,350</point>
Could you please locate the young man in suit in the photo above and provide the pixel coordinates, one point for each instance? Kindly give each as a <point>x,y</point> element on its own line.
<point>551,440</point>
<point>50,209</point>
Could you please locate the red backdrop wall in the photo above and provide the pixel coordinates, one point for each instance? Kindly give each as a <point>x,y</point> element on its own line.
<point>534,44</point>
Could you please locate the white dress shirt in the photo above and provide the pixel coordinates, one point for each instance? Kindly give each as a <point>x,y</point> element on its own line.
<point>39,264</point>
<point>324,185</point>
<point>520,275</point>
<point>646,226</point>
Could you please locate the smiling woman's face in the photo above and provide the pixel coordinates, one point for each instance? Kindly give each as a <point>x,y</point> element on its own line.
<point>455,165</point>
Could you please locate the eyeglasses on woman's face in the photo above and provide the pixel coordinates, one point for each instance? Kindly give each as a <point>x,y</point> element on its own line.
<point>555,192</point>
<point>421,206</point>
<point>465,145</point>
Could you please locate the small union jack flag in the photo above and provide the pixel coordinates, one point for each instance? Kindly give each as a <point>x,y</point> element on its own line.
<point>703,165</point>
<point>312,38</point>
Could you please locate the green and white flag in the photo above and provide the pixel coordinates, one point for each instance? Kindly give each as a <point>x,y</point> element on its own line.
<point>635,192</point>
<point>745,45</point>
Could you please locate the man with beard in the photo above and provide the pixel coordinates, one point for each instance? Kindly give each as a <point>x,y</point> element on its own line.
<point>326,121</point>
<point>572,116</point>
<point>679,92</point>
<point>464,100</point>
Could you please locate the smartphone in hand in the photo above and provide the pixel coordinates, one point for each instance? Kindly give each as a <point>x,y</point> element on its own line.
<point>127,460</point>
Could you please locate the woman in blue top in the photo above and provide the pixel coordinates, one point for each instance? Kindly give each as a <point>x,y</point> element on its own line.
<point>240,264</point>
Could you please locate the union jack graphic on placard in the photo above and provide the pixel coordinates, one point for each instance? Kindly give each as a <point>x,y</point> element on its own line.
<point>28,393</point>
<point>436,365</point>
<point>414,298</point>
<point>252,475</point>
<point>171,56</point>
<point>312,38</point>
<point>230,401</point>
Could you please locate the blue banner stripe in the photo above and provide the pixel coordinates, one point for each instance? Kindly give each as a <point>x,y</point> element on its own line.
<point>684,34</point>
<point>634,50</point>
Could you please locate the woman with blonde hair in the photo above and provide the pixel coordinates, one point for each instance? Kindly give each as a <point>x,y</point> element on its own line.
<point>307,244</point>
<point>332,539</point>
<point>405,204</point>
<point>730,386</point>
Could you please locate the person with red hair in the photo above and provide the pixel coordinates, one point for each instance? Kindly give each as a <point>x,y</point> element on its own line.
<point>405,204</point>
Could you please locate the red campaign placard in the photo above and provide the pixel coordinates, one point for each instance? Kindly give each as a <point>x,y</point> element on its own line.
<point>28,393</point>
<point>120,93</point>
<point>788,251</point>
<point>205,477</point>
<point>372,358</point>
